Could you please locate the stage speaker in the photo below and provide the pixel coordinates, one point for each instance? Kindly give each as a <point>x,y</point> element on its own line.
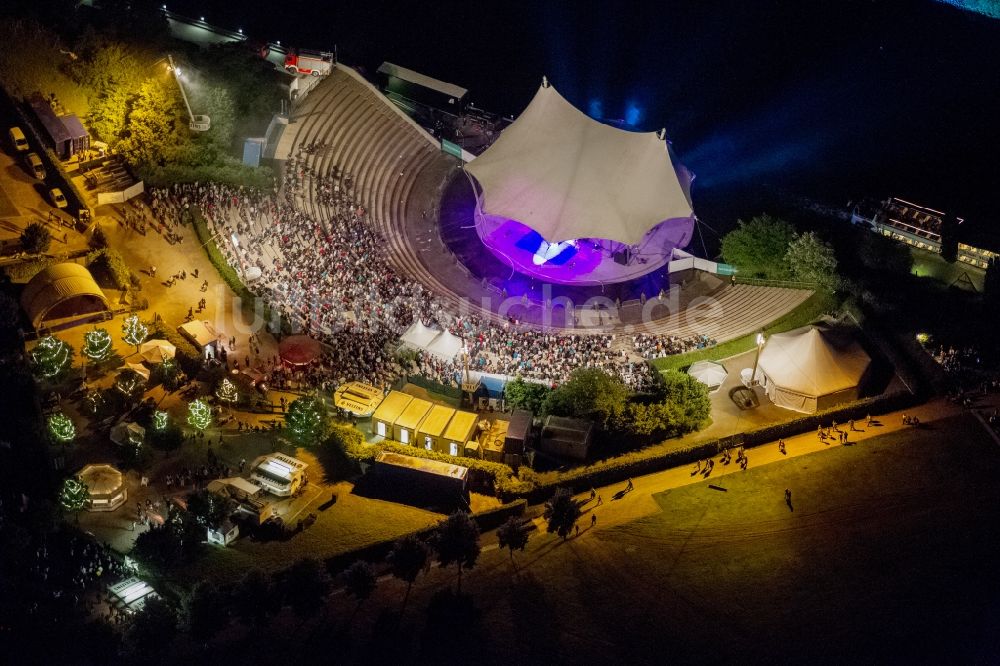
<point>623,257</point>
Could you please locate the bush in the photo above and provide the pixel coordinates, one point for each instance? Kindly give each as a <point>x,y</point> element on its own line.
<point>25,270</point>
<point>187,356</point>
<point>114,264</point>
<point>36,238</point>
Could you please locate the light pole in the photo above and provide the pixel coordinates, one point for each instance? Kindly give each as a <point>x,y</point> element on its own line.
<point>756,359</point>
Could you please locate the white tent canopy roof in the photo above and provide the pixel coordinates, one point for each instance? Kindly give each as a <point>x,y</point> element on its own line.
<point>710,373</point>
<point>813,361</point>
<point>568,176</point>
<point>419,336</point>
<point>445,346</point>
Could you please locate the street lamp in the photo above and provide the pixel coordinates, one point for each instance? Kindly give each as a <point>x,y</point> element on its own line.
<point>756,359</point>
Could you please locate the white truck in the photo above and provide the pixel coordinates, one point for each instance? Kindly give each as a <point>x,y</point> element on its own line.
<point>311,63</point>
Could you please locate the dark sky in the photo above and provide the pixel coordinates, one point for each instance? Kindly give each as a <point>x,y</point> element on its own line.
<point>829,100</point>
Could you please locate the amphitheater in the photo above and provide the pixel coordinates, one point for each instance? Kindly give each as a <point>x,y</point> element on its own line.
<point>400,173</point>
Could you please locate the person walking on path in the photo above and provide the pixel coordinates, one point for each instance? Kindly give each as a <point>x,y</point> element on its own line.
<point>600,500</point>
<point>788,498</point>
<point>593,493</point>
<point>593,519</point>
<point>629,487</point>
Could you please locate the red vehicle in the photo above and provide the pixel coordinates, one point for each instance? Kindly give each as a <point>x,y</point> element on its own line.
<point>309,62</point>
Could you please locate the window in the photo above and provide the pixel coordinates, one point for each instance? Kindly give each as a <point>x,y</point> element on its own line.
<point>429,443</point>
<point>453,449</point>
<point>404,435</point>
<point>380,428</point>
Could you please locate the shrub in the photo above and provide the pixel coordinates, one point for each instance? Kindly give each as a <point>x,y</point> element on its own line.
<point>111,261</point>
<point>25,270</point>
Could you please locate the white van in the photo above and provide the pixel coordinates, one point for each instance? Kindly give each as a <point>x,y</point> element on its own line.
<point>17,140</point>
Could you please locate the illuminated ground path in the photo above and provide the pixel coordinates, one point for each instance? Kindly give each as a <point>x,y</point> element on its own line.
<point>399,173</point>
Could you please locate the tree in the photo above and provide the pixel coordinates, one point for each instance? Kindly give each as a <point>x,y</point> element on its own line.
<point>160,421</point>
<point>51,356</point>
<point>949,238</point>
<point>199,414</point>
<point>810,259</point>
<point>562,512</point>
<point>208,508</point>
<point>73,496</point>
<point>35,238</point>
<point>757,248</point>
<point>408,558</point>
<point>520,394</point>
<point>134,332</point>
<point>97,344</point>
<point>881,253</point>
<point>991,283</point>
<point>305,586</point>
<point>226,392</point>
<point>359,581</point>
<point>61,428</point>
<point>589,393</point>
<point>457,542</point>
<point>130,384</point>
<point>683,406</point>
<point>153,628</point>
<point>306,420</point>
<point>205,611</point>
<point>512,535</point>
<point>255,599</point>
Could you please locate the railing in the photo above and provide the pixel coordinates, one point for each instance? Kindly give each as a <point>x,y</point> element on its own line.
<point>787,284</point>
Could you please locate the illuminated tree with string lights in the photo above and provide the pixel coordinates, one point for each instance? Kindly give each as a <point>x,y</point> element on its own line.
<point>306,420</point>
<point>199,414</point>
<point>226,392</point>
<point>61,428</point>
<point>134,332</point>
<point>97,345</point>
<point>73,496</point>
<point>51,357</point>
<point>160,421</point>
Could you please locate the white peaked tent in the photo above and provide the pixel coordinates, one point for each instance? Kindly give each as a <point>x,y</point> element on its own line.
<point>418,336</point>
<point>812,368</point>
<point>445,346</point>
<point>709,373</point>
<point>568,176</point>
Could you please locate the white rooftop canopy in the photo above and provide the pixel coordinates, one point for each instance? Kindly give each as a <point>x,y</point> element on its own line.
<point>568,176</point>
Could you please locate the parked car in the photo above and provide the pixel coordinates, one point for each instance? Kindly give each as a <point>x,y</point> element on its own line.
<point>58,200</point>
<point>18,140</point>
<point>34,164</point>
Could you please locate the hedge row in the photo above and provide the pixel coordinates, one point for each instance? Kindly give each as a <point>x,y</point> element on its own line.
<point>25,270</point>
<point>119,271</point>
<point>653,459</point>
<point>187,356</point>
<point>228,274</point>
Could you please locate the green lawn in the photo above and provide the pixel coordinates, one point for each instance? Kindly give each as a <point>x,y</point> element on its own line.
<point>811,309</point>
<point>886,558</point>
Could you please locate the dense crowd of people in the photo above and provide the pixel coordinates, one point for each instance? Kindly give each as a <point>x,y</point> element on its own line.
<point>330,277</point>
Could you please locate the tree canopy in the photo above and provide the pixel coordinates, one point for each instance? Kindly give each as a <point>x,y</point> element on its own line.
<point>205,610</point>
<point>512,535</point>
<point>757,248</point>
<point>456,541</point>
<point>589,393</point>
<point>35,239</point>
<point>561,512</point>
<point>811,259</point>
<point>520,394</point>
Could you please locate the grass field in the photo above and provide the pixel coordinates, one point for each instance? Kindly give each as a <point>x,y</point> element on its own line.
<point>887,557</point>
<point>811,309</point>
